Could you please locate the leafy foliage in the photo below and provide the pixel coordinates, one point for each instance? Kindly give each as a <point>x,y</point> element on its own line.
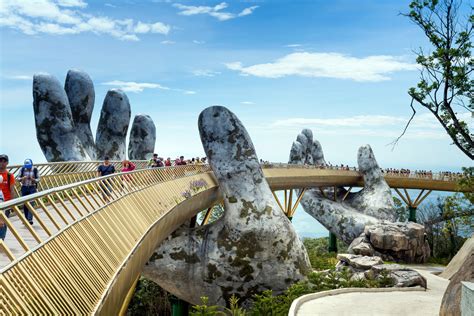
<point>318,254</point>
<point>446,81</point>
<point>149,299</point>
<point>266,303</point>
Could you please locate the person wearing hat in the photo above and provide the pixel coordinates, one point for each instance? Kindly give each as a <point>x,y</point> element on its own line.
<point>29,178</point>
<point>7,185</point>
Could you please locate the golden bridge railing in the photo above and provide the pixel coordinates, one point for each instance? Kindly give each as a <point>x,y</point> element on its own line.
<point>62,173</point>
<point>55,174</point>
<point>83,236</point>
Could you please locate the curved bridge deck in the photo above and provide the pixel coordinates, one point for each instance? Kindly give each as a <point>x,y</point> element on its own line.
<point>91,239</point>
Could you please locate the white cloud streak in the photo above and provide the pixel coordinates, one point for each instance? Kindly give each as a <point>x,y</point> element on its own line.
<point>247,102</point>
<point>327,65</point>
<point>205,73</point>
<point>422,126</point>
<point>61,17</point>
<point>131,86</point>
<point>20,77</point>
<point>215,11</point>
<point>136,87</point>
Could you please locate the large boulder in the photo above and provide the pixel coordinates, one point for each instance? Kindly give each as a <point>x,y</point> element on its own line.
<point>372,267</point>
<point>401,242</point>
<point>253,247</point>
<point>451,304</point>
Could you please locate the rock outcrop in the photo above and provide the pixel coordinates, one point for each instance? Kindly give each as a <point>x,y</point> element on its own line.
<point>451,303</point>
<point>393,241</point>
<point>63,115</point>
<point>372,267</point>
<point>373,205</point>
<point>251,248</point>
<point>142,138</point>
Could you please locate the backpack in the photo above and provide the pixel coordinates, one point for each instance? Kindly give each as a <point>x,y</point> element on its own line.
<point>22,172</point>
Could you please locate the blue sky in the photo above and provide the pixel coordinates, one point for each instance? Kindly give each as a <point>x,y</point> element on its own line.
<point>339,67</point>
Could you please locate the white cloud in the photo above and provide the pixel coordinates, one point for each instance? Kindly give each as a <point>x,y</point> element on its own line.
<point>110,5</point>
<point>248,11</point>
<point>72,3</point>
<point>61,17</point>
<point>293,45</point>
<point>167,42</point>
<point>136,87</point>
<point>205,73</point>
<point>131,86</point>
<point>20,77</point>
<point>215,11</point>
<point>423,125</point>
<point>327,65</point>
<point>247,102</point>
<point>198,42</point>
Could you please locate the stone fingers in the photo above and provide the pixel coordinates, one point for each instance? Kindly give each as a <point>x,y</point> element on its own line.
<point>142,138</point>
<point>345,222</point>
<point>113,126</point>
<point>375,199</point>
<point>80,92</point>
<point>55,127</point>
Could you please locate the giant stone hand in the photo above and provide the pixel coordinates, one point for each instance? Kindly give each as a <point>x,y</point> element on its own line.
<point>252,248</point>
<point>63,115</point>
<point>365,219</point>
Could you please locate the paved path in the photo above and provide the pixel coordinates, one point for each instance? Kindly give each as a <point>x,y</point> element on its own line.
<point>414,303</point>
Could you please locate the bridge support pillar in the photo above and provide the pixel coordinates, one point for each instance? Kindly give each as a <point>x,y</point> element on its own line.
<point>332,247</point>
<point>412,204</point>
<point>412,213</point>
<point>179,307</point>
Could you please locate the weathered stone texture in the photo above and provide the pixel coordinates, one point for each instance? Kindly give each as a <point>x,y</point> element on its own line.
<point>55,129</point>
<point>81,95</point>
<point>253,247</point>
<point>451,304</point>
<point>373,205</point>
<point>113,125</point>
<point>142,138</point>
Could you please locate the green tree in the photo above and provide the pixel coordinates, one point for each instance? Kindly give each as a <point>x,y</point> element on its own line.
<point>446,82</point>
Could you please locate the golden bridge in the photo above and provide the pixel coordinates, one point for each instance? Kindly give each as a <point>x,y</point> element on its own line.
<point>92,236</point>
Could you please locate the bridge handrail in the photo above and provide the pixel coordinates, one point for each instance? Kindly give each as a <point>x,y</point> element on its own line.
<point>97,192</point>
<point>49,168</point>
<point>441,176</point>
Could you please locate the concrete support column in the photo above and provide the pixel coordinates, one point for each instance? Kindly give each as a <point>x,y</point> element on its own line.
<point>412,213</point>
<point>332,243</point>
<point>179,307</point>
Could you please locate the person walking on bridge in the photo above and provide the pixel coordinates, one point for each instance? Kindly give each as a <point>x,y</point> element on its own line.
<point>29,178</point>
<point>7,184</point>
<point>104,170</point>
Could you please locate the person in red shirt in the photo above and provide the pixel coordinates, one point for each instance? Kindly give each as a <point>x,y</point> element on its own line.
<point>168,162</point>
<point>7,183</point>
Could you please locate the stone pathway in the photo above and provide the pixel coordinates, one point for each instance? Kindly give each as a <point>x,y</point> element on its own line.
<point>413,303</point>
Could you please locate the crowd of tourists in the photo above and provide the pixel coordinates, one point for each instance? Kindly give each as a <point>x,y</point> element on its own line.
<point>157,162</point>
